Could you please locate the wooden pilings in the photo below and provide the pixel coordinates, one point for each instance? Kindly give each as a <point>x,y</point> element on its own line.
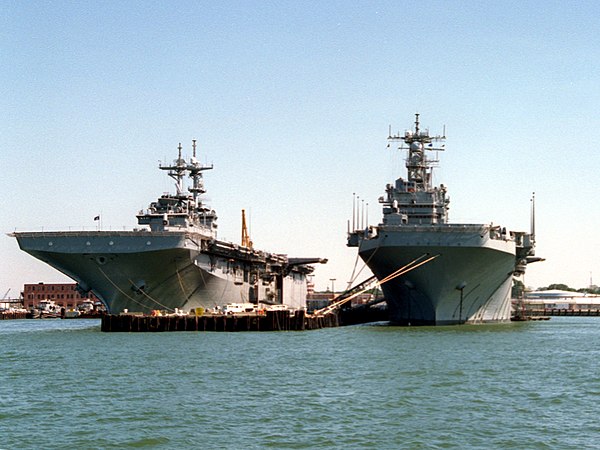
<point>564,312</point>
<point>270,321</point>
<point>545,313</point>
<point>10,315</point>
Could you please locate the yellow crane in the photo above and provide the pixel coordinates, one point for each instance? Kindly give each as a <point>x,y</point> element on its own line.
<point>246,242</point>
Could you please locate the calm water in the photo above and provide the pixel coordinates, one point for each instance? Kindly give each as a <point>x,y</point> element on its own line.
<point>64,384</point>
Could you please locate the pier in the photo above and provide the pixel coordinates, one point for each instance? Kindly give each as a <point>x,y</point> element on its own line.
<point>563,312</point>
<point>278,320</point>
<point>10,315</point>
<point>270,321</point>
<point>526,314</point>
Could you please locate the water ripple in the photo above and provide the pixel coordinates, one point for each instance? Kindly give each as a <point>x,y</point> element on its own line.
<point>66,384</point>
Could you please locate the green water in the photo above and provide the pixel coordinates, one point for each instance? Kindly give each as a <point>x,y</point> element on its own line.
<point>64,384</point>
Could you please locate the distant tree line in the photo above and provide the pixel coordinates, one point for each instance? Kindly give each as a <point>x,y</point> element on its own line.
<point>519,288</point>
<point>564,287</point>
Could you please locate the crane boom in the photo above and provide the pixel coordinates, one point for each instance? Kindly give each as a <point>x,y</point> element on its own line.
<point>246,242</point>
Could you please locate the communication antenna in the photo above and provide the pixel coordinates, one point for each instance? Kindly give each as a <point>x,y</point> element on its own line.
<point>533,217</point>
<point>353,211</point>
<point>362,214</point>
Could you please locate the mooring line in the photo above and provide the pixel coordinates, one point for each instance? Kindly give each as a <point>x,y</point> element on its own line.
<point>120,290</point>
<point>366,263</point>
<point>401,271</point>
<point>154,300</point>
<point>181,281</point>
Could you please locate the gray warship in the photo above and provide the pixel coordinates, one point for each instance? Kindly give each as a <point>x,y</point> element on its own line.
<point>174,261</point>
<point>433,272</point>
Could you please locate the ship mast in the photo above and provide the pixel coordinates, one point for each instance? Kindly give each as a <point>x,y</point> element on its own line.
<point>178,170</point>
<point>196,169</point>
<point>419,166</point>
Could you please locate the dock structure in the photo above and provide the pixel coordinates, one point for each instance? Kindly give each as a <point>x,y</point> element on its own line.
<point>564,312</point>
<point>10,315</point>
<point>269,321</point>
<point>545,313</point>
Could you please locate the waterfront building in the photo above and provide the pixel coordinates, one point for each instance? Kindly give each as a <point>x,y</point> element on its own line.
<point>64,295</point>
<point>558,299</point>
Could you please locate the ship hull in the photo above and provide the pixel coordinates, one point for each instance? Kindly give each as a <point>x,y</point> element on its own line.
<point>468,280</point>
<point>146,271</point>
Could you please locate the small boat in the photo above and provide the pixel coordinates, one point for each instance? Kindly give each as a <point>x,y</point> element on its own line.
<point>46,309</point>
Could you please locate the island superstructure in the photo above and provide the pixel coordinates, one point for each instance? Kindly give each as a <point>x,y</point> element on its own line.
<point>174,261</point>
<point>437,272</point>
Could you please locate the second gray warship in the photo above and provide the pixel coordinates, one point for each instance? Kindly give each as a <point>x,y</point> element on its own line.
<point>175,261</point>
<point>434,272</point>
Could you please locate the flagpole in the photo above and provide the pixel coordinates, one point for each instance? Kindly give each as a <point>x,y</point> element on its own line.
<point>99,219</point>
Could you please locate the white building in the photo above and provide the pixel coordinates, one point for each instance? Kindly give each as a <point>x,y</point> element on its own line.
<point>557,299</point>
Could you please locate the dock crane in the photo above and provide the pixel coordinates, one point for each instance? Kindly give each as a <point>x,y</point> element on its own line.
<point>246,242</point>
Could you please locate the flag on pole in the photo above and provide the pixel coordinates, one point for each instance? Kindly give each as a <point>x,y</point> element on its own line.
<point>97,218</point>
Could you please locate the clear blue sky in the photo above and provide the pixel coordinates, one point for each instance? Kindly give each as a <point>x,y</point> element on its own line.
<point>291,101</point>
